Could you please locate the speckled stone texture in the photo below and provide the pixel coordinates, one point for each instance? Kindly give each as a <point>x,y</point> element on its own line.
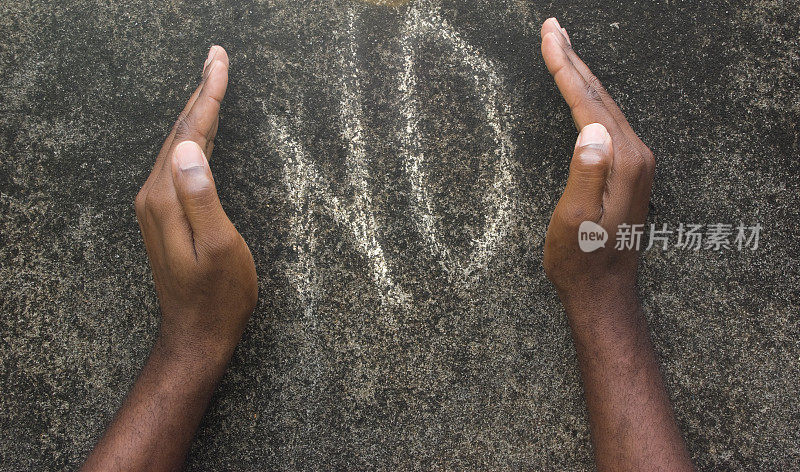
<point>404,320</point>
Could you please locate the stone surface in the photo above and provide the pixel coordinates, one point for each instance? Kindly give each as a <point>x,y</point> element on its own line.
<point>404,321</point>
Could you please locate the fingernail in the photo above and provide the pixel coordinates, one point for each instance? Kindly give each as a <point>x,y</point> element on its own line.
<point>566,35</point>
<point>593,134</point>
<point>188,154</point>
<point>211,53</point>
<point>558,25</point>
<point>213,66</point>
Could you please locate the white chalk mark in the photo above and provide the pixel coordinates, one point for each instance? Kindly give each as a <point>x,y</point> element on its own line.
<point>299,177</point>
<point>308,190</point>
<point>309,193</point>
<point>363,222</point>
<point>429,25</point>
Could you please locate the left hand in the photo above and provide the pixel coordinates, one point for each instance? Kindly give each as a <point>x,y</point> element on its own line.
<point>202,268</point>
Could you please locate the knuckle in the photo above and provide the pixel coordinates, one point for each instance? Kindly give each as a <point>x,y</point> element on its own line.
<point>182,117</point>
<point>554,262</point>
<point>643,172</point>
<point>549,266</point>
<point>252,295</point>
<point>223,245</point>
<point>647,153</point>
<point>638,169</point>
<point>637,162</point>
<point>594,82</point>
<point>649,158</point>
<point>643,162</point>
<point>214,100</point>
<point>636,156</point>
<point>573,215</point>
<point>153,204</point>
<point>184,127</point>
<point>598,86</point>
<point>591,92</point>
<point>139,202</point>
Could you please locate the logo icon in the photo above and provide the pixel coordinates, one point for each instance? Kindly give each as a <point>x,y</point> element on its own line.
<point>591,236</point>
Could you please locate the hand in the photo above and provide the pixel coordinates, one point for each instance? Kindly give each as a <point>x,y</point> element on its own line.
<point>206,283</point>
<point>610,178</point>
<point>202,268</point>
<point>609,183</point>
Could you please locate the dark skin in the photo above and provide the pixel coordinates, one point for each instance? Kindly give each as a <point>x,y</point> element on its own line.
<point>206,283</point>
<point>610,180</point>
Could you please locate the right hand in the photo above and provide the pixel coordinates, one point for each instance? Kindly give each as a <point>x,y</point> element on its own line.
<point>610,180</point>
<point>203,270</point>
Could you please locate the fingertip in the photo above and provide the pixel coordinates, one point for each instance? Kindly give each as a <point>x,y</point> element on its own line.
<point>220,54</point>
<point>216,53</point>
<point>199,118</point>
<point>552,52</point>
<point>213,89</point>
<point>550,25</point>
<point>550,37</point>
<point>209,58</point>
<point>549,42</point>
<point>216,65</point>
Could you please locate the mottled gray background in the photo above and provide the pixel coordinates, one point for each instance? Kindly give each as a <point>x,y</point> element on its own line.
<point>470,372</point>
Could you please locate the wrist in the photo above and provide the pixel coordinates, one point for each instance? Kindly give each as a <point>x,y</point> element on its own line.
<point>598,296</point>
<point>605,306</point>
<point>204,358</point>
<point>607,322</point>
<point>199,335</point>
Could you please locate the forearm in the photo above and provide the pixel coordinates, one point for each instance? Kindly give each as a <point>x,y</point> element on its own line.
<point>632,423</point>
<point>154,428</point>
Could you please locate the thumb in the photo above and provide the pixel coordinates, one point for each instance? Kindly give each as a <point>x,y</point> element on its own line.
<point>196,192</point>
<point>590,166</point>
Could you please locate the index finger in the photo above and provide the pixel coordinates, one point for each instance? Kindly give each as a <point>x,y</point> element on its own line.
<point>197,122</point>
<point>583,100</point>
<point>591,80</point>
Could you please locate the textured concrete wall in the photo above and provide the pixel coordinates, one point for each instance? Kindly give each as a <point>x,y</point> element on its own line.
<point>405,321</point>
